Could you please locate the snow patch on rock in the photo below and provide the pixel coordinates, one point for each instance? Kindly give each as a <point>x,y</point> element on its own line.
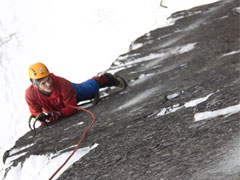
<point>212,114</point>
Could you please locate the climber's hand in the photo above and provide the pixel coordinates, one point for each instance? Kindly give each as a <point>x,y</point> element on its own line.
<point>54,116</point>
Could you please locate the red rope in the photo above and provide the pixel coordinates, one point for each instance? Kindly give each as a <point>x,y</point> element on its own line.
<point>80,141</point>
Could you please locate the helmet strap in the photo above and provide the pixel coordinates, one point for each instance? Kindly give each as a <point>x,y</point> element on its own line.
<point>35,83</point>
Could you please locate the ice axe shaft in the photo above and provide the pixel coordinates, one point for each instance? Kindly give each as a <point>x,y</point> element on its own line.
<point>33,129</point>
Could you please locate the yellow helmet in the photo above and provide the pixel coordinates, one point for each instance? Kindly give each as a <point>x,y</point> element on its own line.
<point>38,71</point>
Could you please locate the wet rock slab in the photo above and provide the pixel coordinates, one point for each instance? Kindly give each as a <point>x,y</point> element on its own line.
<point>149,130</point>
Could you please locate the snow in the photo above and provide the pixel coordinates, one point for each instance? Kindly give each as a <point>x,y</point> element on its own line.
<point>136,46</point>
<point>237,9</point>
<point>202,115</point>
<point>12,158</point>
<point>46,165</point>
<point>231,53</point>
<point>153,56</point>
<point>169,110</point>
<point>176,107</point>
<point>172,96</point>
<point>186,48</point>
<point>14,151</point>
<point>76,40</point>
<point>196,101</point>
<point>212,114</point>
<point>173,20</point>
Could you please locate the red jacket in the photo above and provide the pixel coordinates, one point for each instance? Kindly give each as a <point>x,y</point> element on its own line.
<point>61,98</point>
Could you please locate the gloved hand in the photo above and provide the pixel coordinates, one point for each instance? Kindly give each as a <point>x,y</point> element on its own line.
<point>42,118</point>
<point>54,116</point>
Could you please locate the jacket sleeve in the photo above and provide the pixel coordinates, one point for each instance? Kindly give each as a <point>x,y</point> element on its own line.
<point>69,99</point>
<point>34,108</point>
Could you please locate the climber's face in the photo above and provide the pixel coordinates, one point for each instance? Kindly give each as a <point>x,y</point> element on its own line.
<point>46,84</point>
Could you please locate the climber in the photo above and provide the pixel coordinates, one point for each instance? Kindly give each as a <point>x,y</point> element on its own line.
<point>51,97</point>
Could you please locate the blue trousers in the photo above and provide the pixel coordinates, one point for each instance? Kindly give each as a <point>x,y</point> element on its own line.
<point>86,90</point>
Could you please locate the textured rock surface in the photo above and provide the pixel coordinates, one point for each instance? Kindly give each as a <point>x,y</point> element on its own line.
<point>144,132</point>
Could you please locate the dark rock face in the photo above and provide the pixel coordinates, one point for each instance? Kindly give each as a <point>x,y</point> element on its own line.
<point>149,131</point>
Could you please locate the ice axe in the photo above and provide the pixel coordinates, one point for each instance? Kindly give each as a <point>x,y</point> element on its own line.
<point>40,117</point>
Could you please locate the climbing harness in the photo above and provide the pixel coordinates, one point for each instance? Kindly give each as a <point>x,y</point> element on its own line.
<point>80,141</point>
